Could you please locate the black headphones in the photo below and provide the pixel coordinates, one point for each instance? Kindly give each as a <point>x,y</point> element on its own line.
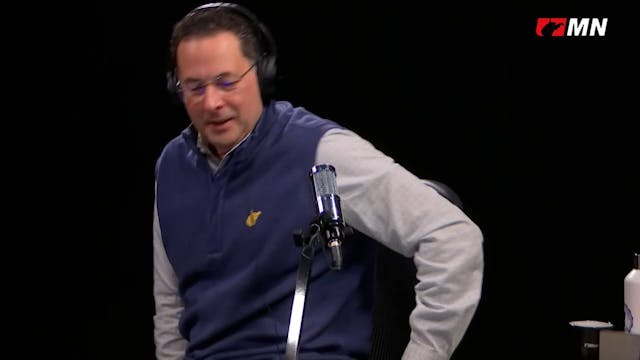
<point>266,63</point>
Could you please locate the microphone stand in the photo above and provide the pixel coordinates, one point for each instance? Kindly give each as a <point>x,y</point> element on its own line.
<point>308,241</point>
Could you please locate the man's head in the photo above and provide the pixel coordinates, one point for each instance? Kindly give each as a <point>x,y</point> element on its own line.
<point>222,65</point>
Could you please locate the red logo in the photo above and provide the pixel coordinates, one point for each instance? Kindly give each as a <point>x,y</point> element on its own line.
<point>571,27</point>
<point>551,27</point>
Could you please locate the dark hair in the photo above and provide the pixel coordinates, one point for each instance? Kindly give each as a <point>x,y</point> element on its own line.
<point>209,21</point>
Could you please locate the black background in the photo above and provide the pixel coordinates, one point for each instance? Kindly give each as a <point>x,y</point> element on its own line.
<point>535,134</point>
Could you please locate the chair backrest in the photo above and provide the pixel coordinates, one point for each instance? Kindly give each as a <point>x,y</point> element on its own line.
<point>395,295</point>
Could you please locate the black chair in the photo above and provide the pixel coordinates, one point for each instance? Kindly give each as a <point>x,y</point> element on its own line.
<point>395,296</point>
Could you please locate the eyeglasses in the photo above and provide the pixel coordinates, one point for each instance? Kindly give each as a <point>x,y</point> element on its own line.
<point>225,82</point>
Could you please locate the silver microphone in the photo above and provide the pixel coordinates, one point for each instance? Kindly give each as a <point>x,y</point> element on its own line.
<point>323,178</point>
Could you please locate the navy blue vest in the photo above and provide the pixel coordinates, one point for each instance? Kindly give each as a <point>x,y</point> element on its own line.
<point>236,275</point>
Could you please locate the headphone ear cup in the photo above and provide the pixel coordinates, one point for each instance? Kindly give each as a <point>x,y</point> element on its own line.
<point>266,76</point>
<point>171,82</point>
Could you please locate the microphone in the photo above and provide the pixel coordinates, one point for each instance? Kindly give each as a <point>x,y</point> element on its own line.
<point>323,179</point>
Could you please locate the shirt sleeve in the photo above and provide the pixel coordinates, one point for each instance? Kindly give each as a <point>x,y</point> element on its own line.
<point>170,345</point>
<point>385,201</point>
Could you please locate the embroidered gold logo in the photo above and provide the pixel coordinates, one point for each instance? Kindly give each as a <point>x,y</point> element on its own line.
<point>252,218</point>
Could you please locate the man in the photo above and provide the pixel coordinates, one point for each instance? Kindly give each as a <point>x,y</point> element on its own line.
<point>233,187</point>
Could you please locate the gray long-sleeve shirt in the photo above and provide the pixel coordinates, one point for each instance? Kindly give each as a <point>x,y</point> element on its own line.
<point>388,203</point>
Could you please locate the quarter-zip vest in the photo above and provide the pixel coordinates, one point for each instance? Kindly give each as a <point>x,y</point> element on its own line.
<point>229,237</point>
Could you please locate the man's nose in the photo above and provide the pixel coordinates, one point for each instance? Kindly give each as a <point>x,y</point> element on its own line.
<point>212,97</point>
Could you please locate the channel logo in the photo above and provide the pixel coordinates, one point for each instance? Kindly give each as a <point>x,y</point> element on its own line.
<point>584,27</point>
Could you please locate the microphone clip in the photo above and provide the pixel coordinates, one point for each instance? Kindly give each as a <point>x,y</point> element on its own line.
<point>328,233</point>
